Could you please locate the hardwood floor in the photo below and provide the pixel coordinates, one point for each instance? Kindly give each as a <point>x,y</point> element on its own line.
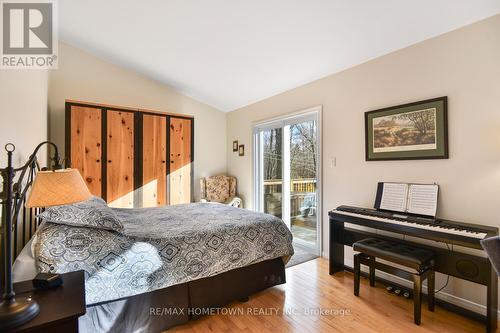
<point>309,287</point>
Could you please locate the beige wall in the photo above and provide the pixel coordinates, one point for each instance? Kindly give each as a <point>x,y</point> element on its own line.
<point>23,109</point>
<point>463,65</point>
<point>84,77</point>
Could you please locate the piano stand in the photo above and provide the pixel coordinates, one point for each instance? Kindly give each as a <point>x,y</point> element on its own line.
<point>464,266</point>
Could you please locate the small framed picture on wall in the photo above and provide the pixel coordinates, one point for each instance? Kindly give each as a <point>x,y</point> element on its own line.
<point>241,151</point>
<point>235,145</point>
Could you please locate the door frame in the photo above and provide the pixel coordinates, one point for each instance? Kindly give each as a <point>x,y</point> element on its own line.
<point>258,163</point>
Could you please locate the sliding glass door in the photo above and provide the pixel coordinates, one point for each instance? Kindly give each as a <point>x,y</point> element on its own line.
<point>272,177</point>
<point>287,174</point>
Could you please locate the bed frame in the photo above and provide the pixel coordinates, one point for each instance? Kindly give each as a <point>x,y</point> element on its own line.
<point>164,308</point>
<point>25,222</point>
<point>176,305</point>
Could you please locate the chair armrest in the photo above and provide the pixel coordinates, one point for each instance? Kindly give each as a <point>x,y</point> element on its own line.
<point>235,202</point>
<point>492,247</point>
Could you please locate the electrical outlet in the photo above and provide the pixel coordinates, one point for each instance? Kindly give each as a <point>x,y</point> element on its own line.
<point>333,162</point>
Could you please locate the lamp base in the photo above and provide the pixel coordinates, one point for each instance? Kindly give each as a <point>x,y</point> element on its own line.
<point>14,312</point>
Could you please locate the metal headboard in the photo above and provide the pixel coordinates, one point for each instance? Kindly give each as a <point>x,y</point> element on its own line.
<point>25,222</point>
<point>16,183</point>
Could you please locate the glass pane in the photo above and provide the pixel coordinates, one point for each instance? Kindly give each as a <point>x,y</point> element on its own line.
<point>273,169</point>
<point>303,160</point>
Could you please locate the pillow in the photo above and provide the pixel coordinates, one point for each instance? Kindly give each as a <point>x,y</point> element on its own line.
<point>93,213</point>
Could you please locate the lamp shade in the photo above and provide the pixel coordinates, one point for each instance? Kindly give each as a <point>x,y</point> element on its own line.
<point>59,187</point>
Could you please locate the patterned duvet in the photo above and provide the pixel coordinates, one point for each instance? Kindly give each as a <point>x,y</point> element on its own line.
<point>160,247</point>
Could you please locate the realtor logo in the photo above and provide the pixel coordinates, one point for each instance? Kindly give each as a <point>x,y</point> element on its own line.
<point>28,34</point>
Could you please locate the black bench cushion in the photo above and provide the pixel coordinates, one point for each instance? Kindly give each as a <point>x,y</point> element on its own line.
<point>400,253</point>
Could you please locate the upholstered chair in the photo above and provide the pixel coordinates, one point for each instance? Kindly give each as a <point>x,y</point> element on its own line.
<point>492,247</point>
<point>220,189</point>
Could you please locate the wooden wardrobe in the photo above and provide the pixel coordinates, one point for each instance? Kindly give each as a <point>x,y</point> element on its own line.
<point>131,157</point>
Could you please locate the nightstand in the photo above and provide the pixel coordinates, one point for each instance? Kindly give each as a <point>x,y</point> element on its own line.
<point>60,307</point>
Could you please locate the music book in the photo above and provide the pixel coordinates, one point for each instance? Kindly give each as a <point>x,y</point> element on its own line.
<point>420,199</point>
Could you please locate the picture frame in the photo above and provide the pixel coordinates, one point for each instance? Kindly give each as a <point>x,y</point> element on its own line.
<point>413,131</point>
<point>235,145</point>
<point>241,150</point>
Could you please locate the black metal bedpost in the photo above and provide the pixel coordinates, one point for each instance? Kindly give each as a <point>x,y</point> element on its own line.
<point>8,175</point>
<point>12,312</point>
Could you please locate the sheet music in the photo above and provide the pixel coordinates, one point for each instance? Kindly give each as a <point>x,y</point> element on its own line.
<point>394,197</point>
<point>422,199</point>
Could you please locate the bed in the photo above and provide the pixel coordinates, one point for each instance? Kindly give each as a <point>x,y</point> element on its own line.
<point>164,266</point>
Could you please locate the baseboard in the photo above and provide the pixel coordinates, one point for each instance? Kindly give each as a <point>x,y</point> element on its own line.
<point>451,302</point>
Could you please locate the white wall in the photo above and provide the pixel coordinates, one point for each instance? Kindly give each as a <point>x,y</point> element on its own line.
<point>23,115</point>
<point>463,65</point>
<point>84,77</point>
<point>23,109</point>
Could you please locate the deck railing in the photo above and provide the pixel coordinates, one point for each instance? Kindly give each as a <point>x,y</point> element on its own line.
<point>303,185</point>
<point>300,188</point>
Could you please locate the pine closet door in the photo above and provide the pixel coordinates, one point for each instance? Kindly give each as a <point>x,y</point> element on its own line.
<point>154,161</point>
<point>84,144</point>
<point>131,157</point>
<point>181,160</point>
<point>120,159</point>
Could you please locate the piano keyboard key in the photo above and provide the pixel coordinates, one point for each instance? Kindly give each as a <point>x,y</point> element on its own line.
<point>445,228</point>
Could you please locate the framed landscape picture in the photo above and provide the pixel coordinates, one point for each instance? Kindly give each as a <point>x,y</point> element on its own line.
<point>408,132</point>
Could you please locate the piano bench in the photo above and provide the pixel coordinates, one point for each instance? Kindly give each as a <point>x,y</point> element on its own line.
<point>421,260</point>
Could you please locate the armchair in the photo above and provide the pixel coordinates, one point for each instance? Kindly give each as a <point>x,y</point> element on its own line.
<point>492,247</point>
<point>220,189</point>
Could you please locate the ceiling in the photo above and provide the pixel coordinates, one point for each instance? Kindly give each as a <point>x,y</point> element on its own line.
<point>231,53</point>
